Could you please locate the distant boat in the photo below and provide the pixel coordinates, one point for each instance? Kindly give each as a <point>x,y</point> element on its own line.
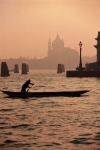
<point>45,94</point>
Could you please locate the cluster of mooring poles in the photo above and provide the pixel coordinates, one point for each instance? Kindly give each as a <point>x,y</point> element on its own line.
<point>5,72</point>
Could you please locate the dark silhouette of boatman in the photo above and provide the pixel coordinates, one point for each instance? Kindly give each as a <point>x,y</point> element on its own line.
<point>25,86</point>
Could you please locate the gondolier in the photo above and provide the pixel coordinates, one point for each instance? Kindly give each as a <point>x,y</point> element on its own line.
<point>25,86</point>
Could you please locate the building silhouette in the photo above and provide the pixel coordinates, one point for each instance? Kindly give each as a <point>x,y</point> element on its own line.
<point>57,46</point>
<point>95,65</point>
<point>57,53</point>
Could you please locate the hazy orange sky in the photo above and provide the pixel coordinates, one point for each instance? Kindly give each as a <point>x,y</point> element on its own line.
<point>27,25</point>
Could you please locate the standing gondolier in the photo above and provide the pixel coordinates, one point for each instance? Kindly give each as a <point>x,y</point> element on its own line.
<point>25,86</point>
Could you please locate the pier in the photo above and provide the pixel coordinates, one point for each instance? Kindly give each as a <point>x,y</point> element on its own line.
<point>84,73</point>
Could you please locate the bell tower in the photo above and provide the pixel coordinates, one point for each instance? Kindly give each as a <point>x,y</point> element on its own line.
<point>49,45</point>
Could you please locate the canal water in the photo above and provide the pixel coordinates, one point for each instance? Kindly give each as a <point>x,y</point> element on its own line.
<point>61,123</point>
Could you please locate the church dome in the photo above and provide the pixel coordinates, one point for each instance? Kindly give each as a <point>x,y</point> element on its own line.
<point>57,43</point>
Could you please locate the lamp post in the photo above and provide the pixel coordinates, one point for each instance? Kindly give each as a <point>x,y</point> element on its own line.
<point>80,63</point>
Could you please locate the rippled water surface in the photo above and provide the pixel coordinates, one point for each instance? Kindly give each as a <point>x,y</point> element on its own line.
<point>61,123</point>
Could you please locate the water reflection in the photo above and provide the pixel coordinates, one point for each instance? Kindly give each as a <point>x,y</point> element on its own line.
<point>50,123</point>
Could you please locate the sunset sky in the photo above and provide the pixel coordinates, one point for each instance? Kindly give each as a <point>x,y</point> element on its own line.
<point>27,25</point>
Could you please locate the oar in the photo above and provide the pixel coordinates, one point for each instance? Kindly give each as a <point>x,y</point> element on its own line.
<point>29,88</point>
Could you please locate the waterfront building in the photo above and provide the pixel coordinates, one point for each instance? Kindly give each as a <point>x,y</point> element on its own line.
<point>95,65</point>
<point>59,54</point>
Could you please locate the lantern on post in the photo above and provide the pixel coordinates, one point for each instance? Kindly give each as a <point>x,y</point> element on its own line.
<point>80,62</point>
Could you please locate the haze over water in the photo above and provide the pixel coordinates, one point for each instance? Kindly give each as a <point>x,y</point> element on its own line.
<point>61,123</point>
<point>27,25</point>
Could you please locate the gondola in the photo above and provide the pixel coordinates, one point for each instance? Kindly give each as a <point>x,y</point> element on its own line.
<point>44,94</point>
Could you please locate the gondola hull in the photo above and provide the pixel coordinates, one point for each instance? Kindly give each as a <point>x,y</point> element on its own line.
<point>45,94</point>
